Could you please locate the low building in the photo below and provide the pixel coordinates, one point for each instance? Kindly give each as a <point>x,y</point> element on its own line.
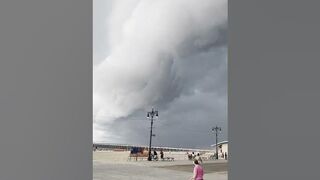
<point>222,148</point>
<point>127,147</point>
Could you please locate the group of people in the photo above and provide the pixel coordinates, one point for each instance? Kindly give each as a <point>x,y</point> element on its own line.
<point>193,156</point>
<point>198,171</point>
<point>155,155</point>
<point>223,155</point>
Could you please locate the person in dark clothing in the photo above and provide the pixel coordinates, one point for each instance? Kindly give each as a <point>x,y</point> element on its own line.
<point>189,156</point>
<point>225,156</point>
<point>161,154</point>
<point>155,155</point>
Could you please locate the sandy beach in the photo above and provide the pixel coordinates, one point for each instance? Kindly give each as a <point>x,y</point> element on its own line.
<point>116,166</point>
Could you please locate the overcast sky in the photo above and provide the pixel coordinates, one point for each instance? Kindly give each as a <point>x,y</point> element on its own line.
<point>166,54</point>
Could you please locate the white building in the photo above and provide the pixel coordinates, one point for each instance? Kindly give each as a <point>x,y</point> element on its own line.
<point>222,147</point>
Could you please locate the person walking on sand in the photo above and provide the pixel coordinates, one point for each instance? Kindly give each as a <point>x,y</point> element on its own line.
<point>199,158</point>
<point>161,155</point>
<point>197,171</point>
<point>155,155</point>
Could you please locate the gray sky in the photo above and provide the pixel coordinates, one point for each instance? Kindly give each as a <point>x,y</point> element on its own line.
<point>166,54</point>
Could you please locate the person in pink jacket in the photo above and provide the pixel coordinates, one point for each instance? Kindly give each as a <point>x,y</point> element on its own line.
<point>197,171</point>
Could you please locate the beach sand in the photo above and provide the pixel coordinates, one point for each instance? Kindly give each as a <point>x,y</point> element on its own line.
<point>115,166</point>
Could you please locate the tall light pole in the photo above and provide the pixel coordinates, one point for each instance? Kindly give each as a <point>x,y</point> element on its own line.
<point>216,129</point>
<point>151,115</point>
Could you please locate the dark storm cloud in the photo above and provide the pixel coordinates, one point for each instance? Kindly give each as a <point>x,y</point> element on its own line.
<point>177,65</point>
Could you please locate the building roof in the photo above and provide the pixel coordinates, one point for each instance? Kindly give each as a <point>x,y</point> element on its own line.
<point>162,147</point>
<point>222,142</point>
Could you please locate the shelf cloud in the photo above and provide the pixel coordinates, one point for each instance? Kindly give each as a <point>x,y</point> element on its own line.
<point>166,54</point>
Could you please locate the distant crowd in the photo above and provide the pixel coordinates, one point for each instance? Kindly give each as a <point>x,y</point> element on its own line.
<point>190,156</point>
<point>193,156</point>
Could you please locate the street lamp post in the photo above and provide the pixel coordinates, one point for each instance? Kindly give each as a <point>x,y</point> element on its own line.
<point>151,115</point>
<point>216,129</point>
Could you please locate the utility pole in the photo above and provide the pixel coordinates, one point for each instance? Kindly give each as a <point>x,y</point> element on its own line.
<point>216,129</point>
<point>151,115</point>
